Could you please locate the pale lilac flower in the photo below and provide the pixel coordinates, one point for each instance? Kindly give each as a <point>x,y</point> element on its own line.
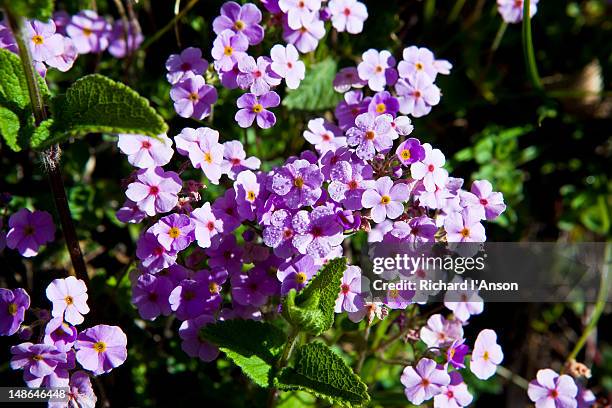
<point>316,233</point>
<point>80,393</point>
<point>424,382</point>
<point>101,348</point>
<point>60,334</point>
<point>279,233</point>
<point>154,257</point>
<point>296,273</point>
<point>440,332</point>
<point>287,65</point>
<point>385,199</point>
<point>229,78</point>
<point>202,147</point>
<point>44,43</point>
<point>193,344</point>
<point>28,231</point>
<point>193,98</point>
<point>585,397</point>
<point>349,220</point>
<point>299,183</point>
<point>348,78</point>
<point>207,225</point>
<point>371,134</point>
<point>36,360</point>
<point>378,69</point>
<point>379,231</point>
<point>130,213</point>
<point>350,297</point>
<point>253,107</point>
<point>463,303</point>
<point>430,169</point>
<point>144,151</point>
<point>551,390</point>
<point>155,190</point>
<point>383,103</point>
<point>188,62</point>
<point>118,47</point>
<point>417,61</point>
<point>455,394</point>
<point>348,15</point>
<point>174,232</point>
<point>369,311</point>
<point>7,40</point>
<point>487,355</point>
<point>256,76</point>
<point>306,35</point>
<point>482,200</point>
<point>398,299</point>
<point>59,377</point>
<point>464,227</point>
<point>352,106</point>
<point>418,229</point>
<point>402,125</point>
<point>247,194</point>
<point>69,298</point>
<point>150,295</point>
<point>89,31</point>
<point>243,20</point>
<point>324,135</point>
<point>410,151</point>
<point>228,49</point>
<point>13,304</point>
<point>235,160</point>
<point>348,182</point>
<point>298,11</point>
<point>417,96</point>
<point>64,60</point>
<point>512,10</point>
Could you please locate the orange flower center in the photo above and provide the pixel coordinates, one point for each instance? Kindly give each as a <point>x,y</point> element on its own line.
<point>381,108</point>
<point>298,182</point>
<point>194,96</point>
<point>370,135</point>
<point>87,31</point>
<point>38,40</point>
<point>385,199</point>
<point>228,50</point>
<point>465,232</point>
<point>69,300</point>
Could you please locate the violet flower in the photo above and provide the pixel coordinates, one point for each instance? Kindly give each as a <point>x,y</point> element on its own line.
<point>101,348</point>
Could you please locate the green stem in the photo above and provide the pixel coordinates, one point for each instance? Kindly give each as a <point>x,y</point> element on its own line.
<point>528,52</point>
<point>168,26</point>
<point>456,10</point>
<point>282,362</point>
<point>515,378</point>
<point>600,304</point>
<point>498,37</point>
<point>363,353</point>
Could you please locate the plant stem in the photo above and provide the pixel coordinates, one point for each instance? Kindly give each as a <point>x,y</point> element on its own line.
<point>498,37</point>
<point>530,61</point>
<point>282,362</point>
<point>600,304</point>
<point>49,157</point>
<point>168,26</point>
<point>515,378</point>
<point>363,353</point>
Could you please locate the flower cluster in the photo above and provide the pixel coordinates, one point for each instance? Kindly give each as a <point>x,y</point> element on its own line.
<point>57,42</point>
<point>51,362</point>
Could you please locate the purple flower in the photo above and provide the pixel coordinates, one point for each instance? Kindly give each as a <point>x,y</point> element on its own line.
<point>371,134</point>
<point>235,160</point>
<point>101,348</point>
<point>243,20</point>
<point>551,390</point>
<point>429,169</point>
<point>247,194</point>
<point>324,135</point>
<point>454,395</point>
<point>316,233</point>
<point>418,229</point>
<point>512,10</point>
<point>144,151</point>
<point>286,64</point>
<point>350,298</point>
<point>174,232</point>
<point>306,35</point>
<point>60,334</point>
<point>410,151</point>
<point>253,107</point>
<point>189,61</point>
<point>398,299</point>
<point>228,49</point>
<point>383,103</point>
<point>80,394</point>
<point>417,61</point>
<point>226,255</point>
<point>193,343</point>
<point>348,182</point>
<point>44,43</point>
<point>150,295</point>
<point>28,231</point>
<point>69,298</point>
<point>155,190</point>
<point>385,199</point>
<point>440,332</point>
<point>154,257</point>
<point>279,233</point>
<point>348,15</point>
<point>256,76</point>
<point>483,201</point>
<point>36,360</point>
<point>377,69</point>
<point>229,78</point>
<point>464,227</point>
<point>130,213</point>
<point>202,147</point>
<point>299,183</point>
<point>252,288</point>
<point>7,40</point>
<point>224,208</point>
<point>348,78</point>
<point>89,32</point>
<point>487,355</point>
<point>417,96</point>
<point>463,303</point>
<point>348,219</point>
<point>118,47</point>
<point>456,353</point>
<point>13,304</point>
<point>296,273</point>
<point>207,225</point>
<point>298,11</point>
<point>424,382</point>
<point>193,98</point>
<point>353,105</point>
<point>190,299</point>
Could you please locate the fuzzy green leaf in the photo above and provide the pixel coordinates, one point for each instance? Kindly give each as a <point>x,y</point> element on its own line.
<point>320,371</point>
<point>253,346</point>
<point>9,128</point>
<point>36,9</point>
<point>316,92</point>
<point>96,104</point>
<point>312,310</point>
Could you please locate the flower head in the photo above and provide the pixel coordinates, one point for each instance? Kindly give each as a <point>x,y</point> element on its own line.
<point>253,107</point>
<point>256,76</point>
<point>242,20</point>
<point>188,62</point>
<point>483,200</point>
<point>298,10</point>
<point>487,355</point>
<point>69,298</point>
<point>89,32</point>
<point>350,297</point>
<point>551,390</point>
<point>324,136</point>
<point>202,147</point>
<point>60,334</point>
<point>155,190</point>
<point>144,151</point>
<point>455,394</point>
<point>235,160</point>
<point>417,62</point>
<point>385,199</point>
<point>410,151</point>
<point>296,273</point>
<point>378,69</point>
<point>306,34</point>
<point>153,256</point>
<point>383,103</point>
<point>228,49</point>
<point>440,332</point>
<point>174,232</point>
<point>348,183</point>
<point>348,78</point>
<point>150,295</point>
<point>430,169</point>
<point>456,353</point>
<point>207,225</point>
<point>118,46</point>
<point>417,96</point>
<point>44,43</point>
<point>101,348</point>
<point>348,15</point>
<point>371,134</point>
<point>423,381</point>
<point>287,65</point>
<point>28,231</point>
<point>299,183</point>
<point>193,98</point>
<point>316,233</point>
<point>464,227</point>
<point>36,360</point>
<point>13,304</point>
<point>512,10</point>
<point>193,343</point>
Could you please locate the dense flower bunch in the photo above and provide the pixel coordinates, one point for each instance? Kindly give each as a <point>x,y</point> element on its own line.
<point>51,362</point>
<point>57,42</point>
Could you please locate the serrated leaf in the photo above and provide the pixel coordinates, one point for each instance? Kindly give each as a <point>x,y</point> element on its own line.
<point>316,92</point>
<point>41,134</point>
<point>96,104</point>
<point>320,371</point>
<point>36,9</point>
<point>312,310</point>
<point>9,128</point>
<point>253,346</point>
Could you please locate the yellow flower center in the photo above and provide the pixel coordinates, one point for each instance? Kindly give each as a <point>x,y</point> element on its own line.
<point>394,294</point>
<point>174,233</point>
<point>38,40</point>
<point>465,232</point>
<point>228,50</point>
<point>99,346</point>
<point>257,108</point>
<point>69,300</point>
<point>418,66</point>
<point>239,25</point>
<point>213,287</point>
<point>12,309</point>
<point>298,182</point>
<point>485,356</point>
<point>385,199</point>
<point>300,277</point>
<point>208,157</point>
<point>381,108</point>
<point>37,357</point>
<point>451,353</point>
<point>87,31</point>
<point>405,154</point>
<point>194,96</point>
<point>251,196</point>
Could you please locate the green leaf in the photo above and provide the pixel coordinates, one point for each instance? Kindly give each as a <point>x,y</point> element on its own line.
<point>253,346</point>
<point>37,9</point>
<point>41,134</point>
<point>96,104</point>
<point>312,310</point>
<point>316,92</point>
<point>9,128</point>
<point>322,372</point>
